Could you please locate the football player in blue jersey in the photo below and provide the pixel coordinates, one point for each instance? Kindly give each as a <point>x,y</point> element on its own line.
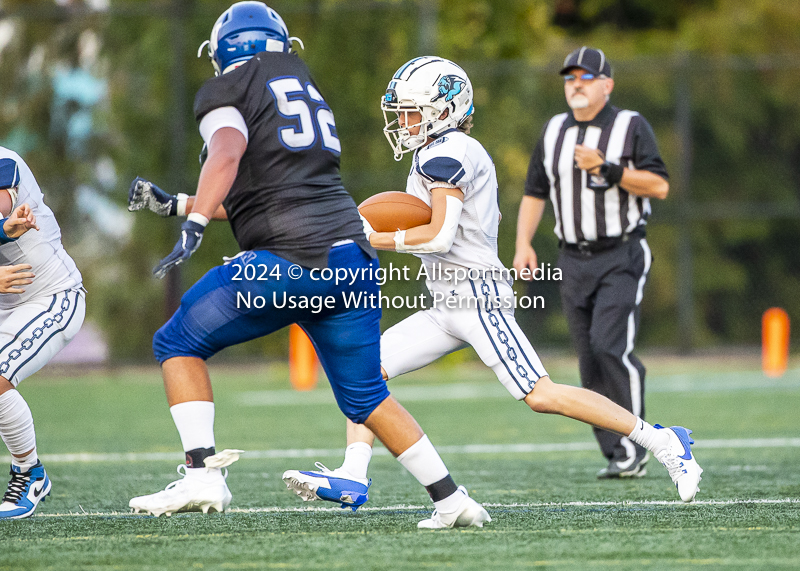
<point>272,170</point>
<point>428,112</point>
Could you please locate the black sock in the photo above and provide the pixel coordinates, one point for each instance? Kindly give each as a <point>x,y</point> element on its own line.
<point>442,489</point>
<point>196,458</point>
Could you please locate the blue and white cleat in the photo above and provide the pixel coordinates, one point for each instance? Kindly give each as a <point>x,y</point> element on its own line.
<point>331,485</point>
<point>679,461</point>
<point>24,492</point>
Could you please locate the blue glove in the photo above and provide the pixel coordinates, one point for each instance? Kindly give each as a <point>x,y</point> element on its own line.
<point>191,236</point>
<point>143,194</point>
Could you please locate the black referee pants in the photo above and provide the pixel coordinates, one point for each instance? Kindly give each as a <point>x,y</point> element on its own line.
<point>601,294</point>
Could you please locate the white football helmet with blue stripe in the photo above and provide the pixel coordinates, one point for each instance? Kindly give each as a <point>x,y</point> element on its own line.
<point>428,85</point>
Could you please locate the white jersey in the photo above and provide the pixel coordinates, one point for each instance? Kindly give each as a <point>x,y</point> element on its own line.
<point>54,269</point>
<point>457,160</point>
<point>453,160</point>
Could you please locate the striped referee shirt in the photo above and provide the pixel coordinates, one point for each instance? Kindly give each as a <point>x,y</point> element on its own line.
<point>582,214</point>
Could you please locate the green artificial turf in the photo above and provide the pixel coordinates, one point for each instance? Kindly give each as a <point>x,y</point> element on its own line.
<point>547,507</point>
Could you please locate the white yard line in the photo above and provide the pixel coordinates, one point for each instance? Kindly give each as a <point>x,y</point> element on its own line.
<point>712,382</point>
<point>92,457</point>
<point>408,507</point>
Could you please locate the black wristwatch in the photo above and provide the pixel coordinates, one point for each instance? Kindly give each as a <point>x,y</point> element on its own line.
<point>611,172</point>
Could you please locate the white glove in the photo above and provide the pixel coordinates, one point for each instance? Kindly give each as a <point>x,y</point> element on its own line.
<point>368,229</point>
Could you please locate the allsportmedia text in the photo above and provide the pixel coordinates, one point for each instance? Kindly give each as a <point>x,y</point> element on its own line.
<point>319,303</point>
<point>435,272</point>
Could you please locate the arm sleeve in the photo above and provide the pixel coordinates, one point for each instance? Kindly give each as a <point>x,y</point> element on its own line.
<point>645,149</point>
<point>537,184</point>
<point>443,241</point>
<point>221,117</point>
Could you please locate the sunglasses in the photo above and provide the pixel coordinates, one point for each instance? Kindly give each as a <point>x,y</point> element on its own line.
<point>584,77</point>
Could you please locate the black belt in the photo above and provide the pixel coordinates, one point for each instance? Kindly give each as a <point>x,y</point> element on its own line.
<point>589,247</point>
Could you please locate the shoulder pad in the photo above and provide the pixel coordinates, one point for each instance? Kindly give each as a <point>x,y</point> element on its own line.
<point>443,159</point>
<point>9,174</point>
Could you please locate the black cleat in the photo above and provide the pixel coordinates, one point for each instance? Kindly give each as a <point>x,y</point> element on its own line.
<point>626,468</point>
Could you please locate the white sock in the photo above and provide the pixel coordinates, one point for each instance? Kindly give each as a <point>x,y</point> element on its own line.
<point>649,437</point>
<point>16,429</point>
<point>424,463</point>
<point>195,423</point>
<point>356,459</point>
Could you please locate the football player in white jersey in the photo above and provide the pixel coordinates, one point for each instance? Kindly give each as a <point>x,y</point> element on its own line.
<point>42,305</point>
<point>428,109</point>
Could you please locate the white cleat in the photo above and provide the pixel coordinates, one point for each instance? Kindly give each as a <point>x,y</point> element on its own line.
<point>469,513</point>
<point>200,490</point>
<point>679,461</point>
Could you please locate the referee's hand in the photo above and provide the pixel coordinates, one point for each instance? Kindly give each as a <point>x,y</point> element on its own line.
<point>588,159</point>
<point>525,262</point>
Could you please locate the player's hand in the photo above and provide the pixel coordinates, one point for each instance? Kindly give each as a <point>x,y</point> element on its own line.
<point>12,277</point>
<point>191,236</point>
<point>588,159</point>
<point>525,258</point>
<point>143,194</point>
<point>20,221</point>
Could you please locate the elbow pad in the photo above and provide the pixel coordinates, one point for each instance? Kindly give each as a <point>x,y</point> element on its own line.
<point>443,241</point>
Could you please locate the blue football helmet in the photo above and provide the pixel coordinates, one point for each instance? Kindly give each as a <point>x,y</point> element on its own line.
<point>243,30</point>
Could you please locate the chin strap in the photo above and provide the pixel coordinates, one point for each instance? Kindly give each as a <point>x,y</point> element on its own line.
<point>222,459</point>
<point>299,41</point>
<point>13,193</point>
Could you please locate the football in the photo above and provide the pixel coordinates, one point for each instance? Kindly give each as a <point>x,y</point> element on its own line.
<point>391,211</point>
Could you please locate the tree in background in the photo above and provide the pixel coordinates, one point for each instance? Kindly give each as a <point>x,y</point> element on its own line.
<point>95,102</point>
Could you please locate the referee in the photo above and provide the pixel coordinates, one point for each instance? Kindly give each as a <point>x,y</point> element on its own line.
<point>599,165</point>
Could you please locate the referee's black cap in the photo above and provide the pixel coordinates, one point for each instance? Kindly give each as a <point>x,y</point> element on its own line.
<point>592,60</point>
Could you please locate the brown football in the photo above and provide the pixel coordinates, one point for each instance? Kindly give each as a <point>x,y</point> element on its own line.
<point>390,211</point>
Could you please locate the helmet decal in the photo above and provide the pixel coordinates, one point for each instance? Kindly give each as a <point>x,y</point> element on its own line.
<point>391,94</point>
<point>449,87</point>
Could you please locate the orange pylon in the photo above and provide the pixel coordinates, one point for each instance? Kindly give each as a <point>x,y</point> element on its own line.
<point>774,342</point>
<point>303,362</point>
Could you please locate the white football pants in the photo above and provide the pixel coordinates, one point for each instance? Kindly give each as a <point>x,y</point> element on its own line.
<point>31,334</point>
<point>479,315</point>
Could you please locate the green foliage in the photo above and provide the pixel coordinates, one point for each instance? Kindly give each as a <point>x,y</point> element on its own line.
<point>744,120</point>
